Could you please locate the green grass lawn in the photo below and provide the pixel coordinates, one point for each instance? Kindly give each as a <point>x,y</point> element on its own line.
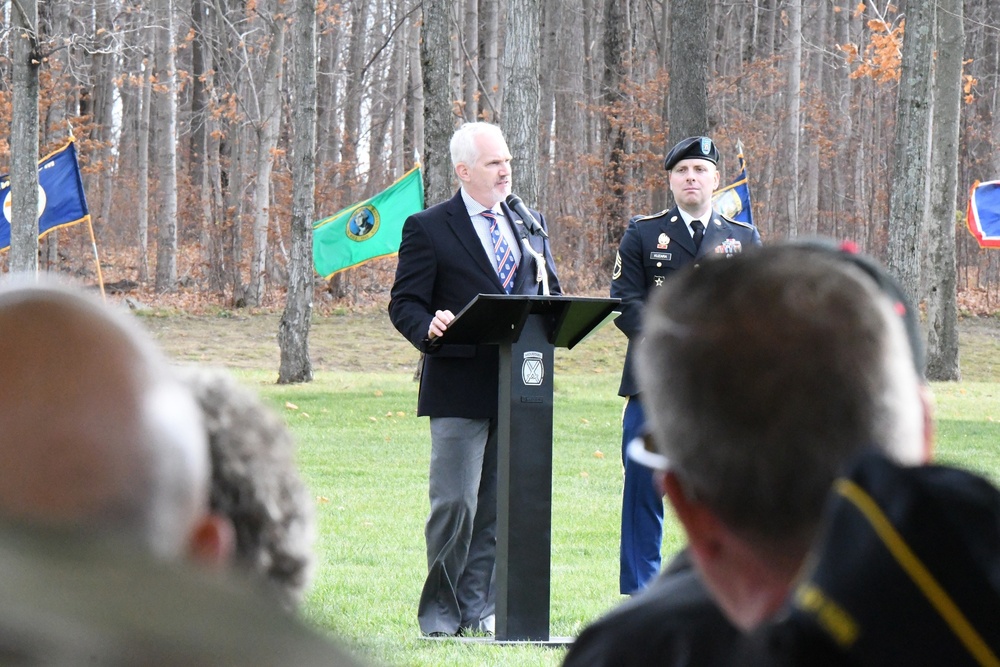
<point>364,454</point>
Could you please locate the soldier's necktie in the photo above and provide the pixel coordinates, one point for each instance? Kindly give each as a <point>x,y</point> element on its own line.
<point>699,233</point>
<point>506,265</point>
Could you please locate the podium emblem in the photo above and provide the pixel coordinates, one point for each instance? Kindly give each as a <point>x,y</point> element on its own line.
<point>532,371</point>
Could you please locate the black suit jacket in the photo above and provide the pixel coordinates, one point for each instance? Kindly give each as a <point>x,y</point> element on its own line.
<point>443,266</point>
<point>653,249</point>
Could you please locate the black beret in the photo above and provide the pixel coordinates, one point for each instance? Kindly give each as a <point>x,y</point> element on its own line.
<point>701,148</point>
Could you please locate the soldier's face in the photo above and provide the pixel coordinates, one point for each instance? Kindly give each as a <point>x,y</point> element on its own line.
<point>487,180</point>
<point>692,183</point>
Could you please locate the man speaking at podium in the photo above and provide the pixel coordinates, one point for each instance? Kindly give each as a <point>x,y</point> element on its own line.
<point>468,245</point>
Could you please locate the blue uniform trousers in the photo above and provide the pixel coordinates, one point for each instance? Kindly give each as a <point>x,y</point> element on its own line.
<point>642,510</point>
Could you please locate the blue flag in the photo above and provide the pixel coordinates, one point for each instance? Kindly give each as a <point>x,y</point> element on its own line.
<point>733,201</point>
<point>984,213</point>
<point>61,200</point>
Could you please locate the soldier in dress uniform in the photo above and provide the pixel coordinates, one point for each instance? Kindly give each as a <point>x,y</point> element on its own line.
<point>653,248</point>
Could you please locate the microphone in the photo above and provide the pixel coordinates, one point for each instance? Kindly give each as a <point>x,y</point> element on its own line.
<point>516,205</point>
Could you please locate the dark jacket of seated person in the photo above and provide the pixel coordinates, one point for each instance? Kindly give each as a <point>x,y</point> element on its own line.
<point>905,572</point>
<point>673,622</point>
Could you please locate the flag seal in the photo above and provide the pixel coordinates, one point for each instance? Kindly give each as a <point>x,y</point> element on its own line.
<point>363,223</point>
<point>8,202</point>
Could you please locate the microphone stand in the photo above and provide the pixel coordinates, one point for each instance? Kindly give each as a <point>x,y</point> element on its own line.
<point>541,275</point>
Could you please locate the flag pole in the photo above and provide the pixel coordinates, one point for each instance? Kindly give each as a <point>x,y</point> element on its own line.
<point>90,226</point>
<point>97,259</point>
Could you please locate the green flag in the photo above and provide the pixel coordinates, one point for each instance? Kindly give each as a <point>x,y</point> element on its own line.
<point>369,229</point>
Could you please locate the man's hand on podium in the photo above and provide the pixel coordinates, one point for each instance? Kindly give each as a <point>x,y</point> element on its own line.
<point>439,324</point>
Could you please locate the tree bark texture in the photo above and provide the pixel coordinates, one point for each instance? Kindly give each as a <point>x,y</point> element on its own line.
<point>687,101</point>
<point>164,108</point>
<point>24,139</point>
<point>439,116</point>
<point>293,329</point>
<point>942,310</point>
<point>909,192</point>
<point>267,128</point>
<point>520,108</point>
<point>617,57</point>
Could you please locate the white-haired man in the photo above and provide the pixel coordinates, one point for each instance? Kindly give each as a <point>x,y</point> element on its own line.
<point>449,254</point>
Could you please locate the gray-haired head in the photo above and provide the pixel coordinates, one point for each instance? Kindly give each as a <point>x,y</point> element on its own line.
<point>765,374</point>
<point>463,141</point>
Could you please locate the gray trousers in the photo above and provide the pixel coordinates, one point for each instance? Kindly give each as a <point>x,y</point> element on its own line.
<point>461,530</point>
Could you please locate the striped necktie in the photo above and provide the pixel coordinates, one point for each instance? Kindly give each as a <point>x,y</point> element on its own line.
<point>506,264</point>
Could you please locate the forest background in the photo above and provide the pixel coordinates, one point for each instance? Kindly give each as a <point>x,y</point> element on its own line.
<point>187,114</point>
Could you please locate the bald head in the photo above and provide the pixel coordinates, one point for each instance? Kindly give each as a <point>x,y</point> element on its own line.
<point>94,432</point>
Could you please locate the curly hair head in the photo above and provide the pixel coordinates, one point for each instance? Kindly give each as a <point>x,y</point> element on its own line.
<point>256,484</point>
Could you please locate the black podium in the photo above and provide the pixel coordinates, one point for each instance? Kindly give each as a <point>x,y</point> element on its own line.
<point>527,329</point>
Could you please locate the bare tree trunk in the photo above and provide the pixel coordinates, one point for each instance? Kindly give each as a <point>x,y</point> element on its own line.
<point>590,87</point>
<point>489,59</point>
<point>794,92</point>
<point>942,307</point>
<point>470,59</point>
<point>519,109</point>
<point>267,135</point>
<point>165,103</point>
<point>57,116</point>
<point>201,83</point>
<point>687,101</point>
<point>293,329</point>
<point>105,70</point>
<point>234,152</point>
<point>352,92</point>
<point>909,190</point>
<point>809,203</point>
<point>24,139</point>
<point>329,105</point>
<point>378,121</point>
<point>439,121</point>
<point>550,15</point>
<point>142,174</point>
<point>617,55</point>
<point>398,80</point>
<point>415,101</point>
<point>844,216</point>
<point>659,195</point>
<point>995,102</point>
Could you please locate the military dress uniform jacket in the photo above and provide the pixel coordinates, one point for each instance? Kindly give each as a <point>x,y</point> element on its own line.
<point>653,248</point>
<point>443,266</point>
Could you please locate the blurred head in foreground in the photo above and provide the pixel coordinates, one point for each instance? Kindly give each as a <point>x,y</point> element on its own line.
<point>767,374</point>
<point>255,483</point>
<point>96,434</point>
